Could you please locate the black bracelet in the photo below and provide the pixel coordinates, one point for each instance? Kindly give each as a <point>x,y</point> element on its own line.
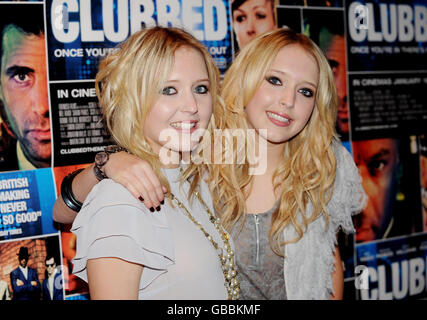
<point>67,192</point>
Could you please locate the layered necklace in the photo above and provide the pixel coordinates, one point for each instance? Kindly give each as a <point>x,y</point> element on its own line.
<point>225,254</point>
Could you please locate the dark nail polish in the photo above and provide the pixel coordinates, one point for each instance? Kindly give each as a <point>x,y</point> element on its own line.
<point>141,199</point>
<point>158,209</point>
<point>162,202</point>
<point>152,209</point>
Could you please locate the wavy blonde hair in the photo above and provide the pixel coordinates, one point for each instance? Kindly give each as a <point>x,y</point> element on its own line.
<point>307,171</point>
<point>131,79</point>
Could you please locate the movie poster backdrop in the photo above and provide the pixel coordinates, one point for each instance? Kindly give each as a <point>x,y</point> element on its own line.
<point>376,50</point>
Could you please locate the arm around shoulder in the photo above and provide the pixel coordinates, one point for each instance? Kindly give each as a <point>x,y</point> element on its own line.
<point>82,184</point>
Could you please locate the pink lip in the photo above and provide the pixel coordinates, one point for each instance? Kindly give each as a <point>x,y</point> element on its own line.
<point>277,122</point>
<point>40,135</point>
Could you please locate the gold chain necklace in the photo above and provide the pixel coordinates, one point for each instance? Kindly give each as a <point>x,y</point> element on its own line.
<point>228,266</point>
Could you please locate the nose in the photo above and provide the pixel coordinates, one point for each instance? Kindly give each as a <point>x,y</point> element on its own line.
<point>190,104</point>
<point>250,26</point>
<point>287,97</point>
<point>40,99</point>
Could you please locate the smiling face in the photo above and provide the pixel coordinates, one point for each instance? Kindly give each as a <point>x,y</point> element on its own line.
<point>285,100</point>
<point>251,18</point>
<point>23,92</point>
<point>185,105</point>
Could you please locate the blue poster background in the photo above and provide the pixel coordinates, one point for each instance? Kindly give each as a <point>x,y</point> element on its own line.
<point>396,269</point>
<point>26,203</point>
<point>79,35</point>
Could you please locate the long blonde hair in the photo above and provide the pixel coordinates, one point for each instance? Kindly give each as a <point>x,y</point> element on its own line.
<point>130,81</point>
<point>307,172</point>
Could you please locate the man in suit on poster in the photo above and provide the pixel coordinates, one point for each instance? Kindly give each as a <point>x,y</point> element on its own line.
<point>24,280</point>
<point>52,285</point>
<point>25,137</point>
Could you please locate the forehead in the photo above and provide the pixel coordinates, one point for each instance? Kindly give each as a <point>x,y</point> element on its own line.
<point>336,48</point>
<point>250,4</point>
<point>21,49</point>
<point>296,62</point>
<point>370,148</point>
<point>188,60</point>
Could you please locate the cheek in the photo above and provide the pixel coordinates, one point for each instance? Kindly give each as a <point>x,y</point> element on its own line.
<point>262,27</point>
<point>205,116</point>
<point>16,113</point>
<point>17,102</point>
<point>239,29</point>
<point>253,115</point>
<point>153,123</point>
<point>205,108</point>
<point>305,113</point>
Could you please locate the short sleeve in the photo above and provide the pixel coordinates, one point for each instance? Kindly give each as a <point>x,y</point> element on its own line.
<point>348,198</point>
<point>113,224</point>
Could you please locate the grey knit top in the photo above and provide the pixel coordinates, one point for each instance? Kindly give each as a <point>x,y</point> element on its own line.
<point>306,271</point>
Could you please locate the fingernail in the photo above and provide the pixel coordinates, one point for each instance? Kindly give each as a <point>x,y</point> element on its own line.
<point>152,209</point>
<point>158,209</point>
<point>141,199</point>
<point>162,202</point>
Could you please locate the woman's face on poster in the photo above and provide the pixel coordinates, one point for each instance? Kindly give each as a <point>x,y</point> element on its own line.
<point>251,18</point>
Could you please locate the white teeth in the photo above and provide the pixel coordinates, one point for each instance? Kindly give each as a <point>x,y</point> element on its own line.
<point>183,125</point>
<point>277,117</point>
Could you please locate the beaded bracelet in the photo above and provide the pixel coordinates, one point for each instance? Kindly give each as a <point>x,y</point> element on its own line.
<point>67,192</point>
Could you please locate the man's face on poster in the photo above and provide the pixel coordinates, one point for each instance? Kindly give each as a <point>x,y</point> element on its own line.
<point>50,266</point>
<point>23,92</point>
<point>23,261</point>
<point>335,53</point>
<point>378,162</point>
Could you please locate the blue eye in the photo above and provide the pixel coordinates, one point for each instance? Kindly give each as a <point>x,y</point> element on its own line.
<point>274,81</point>
<point>168,91</point>
<point>306,92</point>
<point>202,89</point>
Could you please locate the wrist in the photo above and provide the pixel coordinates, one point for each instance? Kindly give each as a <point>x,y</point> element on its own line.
<point>101,160</point>
<point>67,192</point>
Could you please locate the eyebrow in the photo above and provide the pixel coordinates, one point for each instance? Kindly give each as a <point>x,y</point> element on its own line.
<point>199,80</point>
<point>380,154</point>
<point>13,70</point>
<point>284,73</point>
<point>251,9</point>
